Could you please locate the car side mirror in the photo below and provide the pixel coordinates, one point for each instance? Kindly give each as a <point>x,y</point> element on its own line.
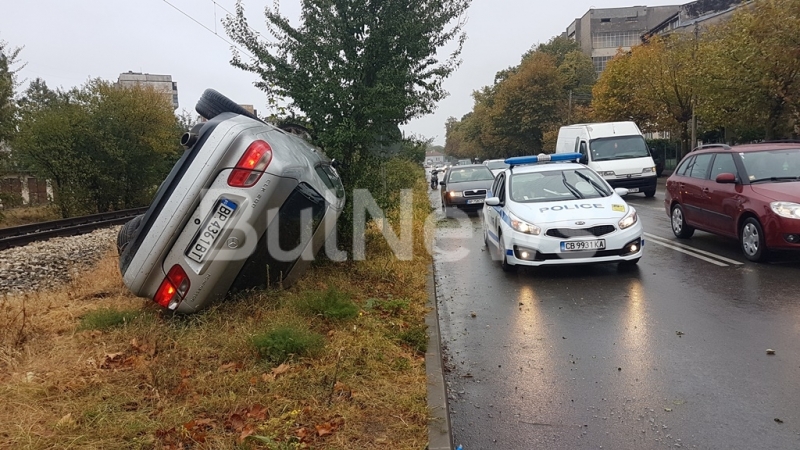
<point>621,191</point>
<point>492,201</point>
<point>584,159</point>
<point>442,183</point>
<point>726,178</point>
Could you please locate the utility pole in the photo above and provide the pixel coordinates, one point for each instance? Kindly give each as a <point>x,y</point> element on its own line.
<point>569,109</point>
<point>693,142</point>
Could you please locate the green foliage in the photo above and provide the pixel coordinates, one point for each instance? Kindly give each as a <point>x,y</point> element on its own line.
<point>356,70</point>
<point>104,147</point>
<point>8,84</point>
<point>331,304</point>
<point>106,318</point>
<point>285,341</point>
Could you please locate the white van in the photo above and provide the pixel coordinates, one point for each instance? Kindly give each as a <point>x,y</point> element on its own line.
<point>616,150</point>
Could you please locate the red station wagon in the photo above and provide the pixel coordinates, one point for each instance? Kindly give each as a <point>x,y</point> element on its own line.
<point>748,192</point>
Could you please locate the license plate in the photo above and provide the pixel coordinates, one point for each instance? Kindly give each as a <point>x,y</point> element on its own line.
<point>577,246</point>
<point>633,189</point>
<point>474,200</point>
<point>209,232</point>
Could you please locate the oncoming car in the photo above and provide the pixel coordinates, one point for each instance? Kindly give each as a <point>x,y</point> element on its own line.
<point>247,205</point>
<point>549,209</point>
<point>464,188</point>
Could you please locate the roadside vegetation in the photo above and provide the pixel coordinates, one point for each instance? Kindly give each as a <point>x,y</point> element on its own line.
<point>737,78</point>
<point>334,362</point>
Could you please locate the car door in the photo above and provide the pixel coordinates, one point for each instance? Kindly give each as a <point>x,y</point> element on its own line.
<point>492,213</point>
<point>724,199</point>
<point>694,188</point>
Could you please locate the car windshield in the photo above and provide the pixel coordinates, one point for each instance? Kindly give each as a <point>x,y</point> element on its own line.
<point>772,165</point>
<point>557,185</point>
<point>496,165</point>
<point>464,174</point>
<point>622,147</point>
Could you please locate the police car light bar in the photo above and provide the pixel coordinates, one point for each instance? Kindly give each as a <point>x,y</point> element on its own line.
<point>542,157</point>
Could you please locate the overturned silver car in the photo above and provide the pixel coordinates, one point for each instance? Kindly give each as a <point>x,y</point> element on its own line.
<point>247,205</point>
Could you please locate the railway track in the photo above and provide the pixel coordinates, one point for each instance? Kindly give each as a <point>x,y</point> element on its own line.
<point>25,234</point>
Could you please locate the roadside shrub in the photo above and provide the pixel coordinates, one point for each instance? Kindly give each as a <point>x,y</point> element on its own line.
<point>284,341</point>
<point>103,319</point>
<point>331,304</point>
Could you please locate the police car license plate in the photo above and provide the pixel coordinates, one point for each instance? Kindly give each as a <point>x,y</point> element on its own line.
<point>474,200</point>
<point>577,246</point>
<point>633,189</point>
<point>209,232</point>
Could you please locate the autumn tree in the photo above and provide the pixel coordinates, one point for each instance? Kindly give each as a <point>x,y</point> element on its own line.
<point>751,72</point>
<point>9,66</point>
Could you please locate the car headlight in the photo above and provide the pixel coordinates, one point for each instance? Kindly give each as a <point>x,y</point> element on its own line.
<point>524,227</point>
<point>456,194</point>
<point>608,173</point>
<point>629,219</point>
<point>786,209</point>
<point>649,170</point>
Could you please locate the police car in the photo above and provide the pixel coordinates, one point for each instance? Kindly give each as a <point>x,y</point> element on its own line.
<point>550,209</point>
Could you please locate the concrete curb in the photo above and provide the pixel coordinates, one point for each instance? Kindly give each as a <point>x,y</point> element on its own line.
<point>439,437</point>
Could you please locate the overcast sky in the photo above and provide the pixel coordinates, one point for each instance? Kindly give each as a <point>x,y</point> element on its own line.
<point>68,42</point>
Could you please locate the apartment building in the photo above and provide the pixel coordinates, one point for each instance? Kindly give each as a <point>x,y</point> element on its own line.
<point>161,83</point>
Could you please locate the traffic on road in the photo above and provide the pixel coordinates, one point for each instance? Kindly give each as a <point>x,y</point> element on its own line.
<point>693,347</point>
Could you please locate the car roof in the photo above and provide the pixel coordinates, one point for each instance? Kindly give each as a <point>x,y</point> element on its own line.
<point>746,148</point>
<point>542,167</point>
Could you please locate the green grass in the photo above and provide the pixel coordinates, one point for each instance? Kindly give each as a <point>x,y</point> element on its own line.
<point>285,341</point>
<point>106,318</point>
<point>331,304</point>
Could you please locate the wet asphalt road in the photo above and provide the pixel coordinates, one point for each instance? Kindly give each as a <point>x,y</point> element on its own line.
<point>670,354</point>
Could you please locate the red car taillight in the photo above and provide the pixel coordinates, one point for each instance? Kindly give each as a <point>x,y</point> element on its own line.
<point>173,288</point>
<point>252,164</point>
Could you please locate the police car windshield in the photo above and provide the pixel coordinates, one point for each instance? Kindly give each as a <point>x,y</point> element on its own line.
<point>620,147</point>
<point>548,186</point>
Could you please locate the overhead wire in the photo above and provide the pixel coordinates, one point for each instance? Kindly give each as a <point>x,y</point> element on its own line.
<point>209,29</point>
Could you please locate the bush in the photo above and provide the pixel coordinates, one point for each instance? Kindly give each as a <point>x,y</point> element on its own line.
<point>284,341</point>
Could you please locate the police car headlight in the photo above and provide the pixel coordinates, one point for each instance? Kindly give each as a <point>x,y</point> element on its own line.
<point>629,219</point>
<point>524,227</point>
<point>786,209</point>
<point>456,194</point>
<point>649,170</point>
<point>608,173</point>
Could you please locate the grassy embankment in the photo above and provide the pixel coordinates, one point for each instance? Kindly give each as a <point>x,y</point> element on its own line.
<point>334,362</point>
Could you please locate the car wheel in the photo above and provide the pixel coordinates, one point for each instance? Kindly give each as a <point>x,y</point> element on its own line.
<point>751,237</point>
<point>679,227</point>
<point>212,104</point>
<point>127,232</point>
<point>503,258</point>
<point>448,211</point>
<point>650,193</point>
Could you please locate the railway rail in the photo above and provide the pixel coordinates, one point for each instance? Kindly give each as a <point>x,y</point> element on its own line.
<point>25,234</point>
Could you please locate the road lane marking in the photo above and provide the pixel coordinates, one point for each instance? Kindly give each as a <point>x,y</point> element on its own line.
<point>692,251</point>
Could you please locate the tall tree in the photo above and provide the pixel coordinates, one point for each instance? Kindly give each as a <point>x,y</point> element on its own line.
<point>357,69</point>
<point>751,72</point>
<point>8,84</point>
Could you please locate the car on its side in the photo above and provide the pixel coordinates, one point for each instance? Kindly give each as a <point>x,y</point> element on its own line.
<point>550,210</point>
<point>496,165</point>
<point>747,192</point>
<point>464,188</point>
<point>247,205</point>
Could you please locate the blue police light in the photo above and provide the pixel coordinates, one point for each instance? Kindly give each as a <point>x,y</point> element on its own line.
<point>542,157</point>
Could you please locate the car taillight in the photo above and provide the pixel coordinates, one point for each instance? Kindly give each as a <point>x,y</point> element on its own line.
<point>173,289</point>
<point>252,164</point>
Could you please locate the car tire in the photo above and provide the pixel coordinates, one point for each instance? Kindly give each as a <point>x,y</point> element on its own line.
<point>448,211</point>
<point>503,259</point>
<point>127,232</point>
<point>752,240</point>
<point>650,193</point>
<point>678,222</point>
<point>212,104</point>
